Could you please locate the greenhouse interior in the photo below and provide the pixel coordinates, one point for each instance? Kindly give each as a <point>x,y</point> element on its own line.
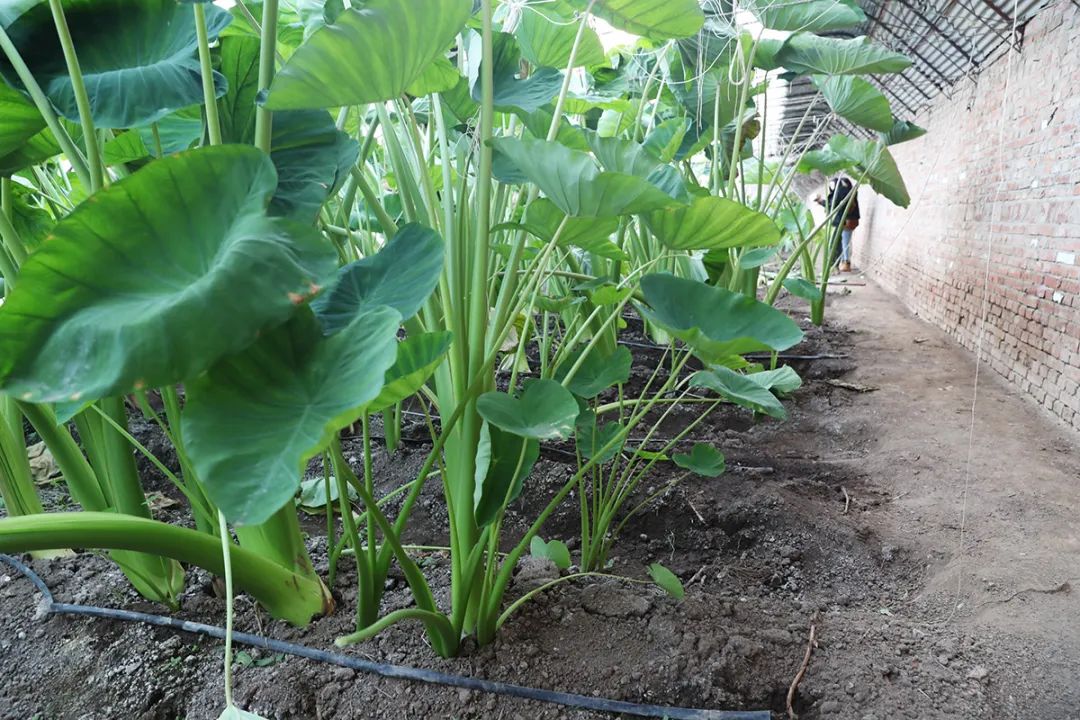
<point>539,359</point>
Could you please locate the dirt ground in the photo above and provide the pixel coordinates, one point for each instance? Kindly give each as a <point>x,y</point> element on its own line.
<point>935,592</point>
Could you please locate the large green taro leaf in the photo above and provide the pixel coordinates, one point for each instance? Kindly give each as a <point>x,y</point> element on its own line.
<point>254,419</point>
<point>620,155</point>
<point>547,39</point>
<point>809,53</point>
<point>593,235</point>
<point>310,154</point>
<point>19,120</point>
<point>370,54</point>
<point>712,223</point>
<point>857,100</point>
<point>808,15</point>
<point>138,57</point>
<point>824,160</point>
<point>312,158</point>
<point>653,19</point>
<point>401,275</point>
<point>873,160</point>
<point>151,280</point>
<point>571,180</point>
<point>714,322</point>
<point>544,410</point>
<point>510,92</point>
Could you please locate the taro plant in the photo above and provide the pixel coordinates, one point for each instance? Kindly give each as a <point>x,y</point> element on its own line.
<point>288,222</point>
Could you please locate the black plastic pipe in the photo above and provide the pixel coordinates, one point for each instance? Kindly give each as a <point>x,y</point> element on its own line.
<point>585,702</point>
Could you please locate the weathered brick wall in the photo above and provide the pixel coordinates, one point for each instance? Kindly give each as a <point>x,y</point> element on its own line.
<point>933,255</point>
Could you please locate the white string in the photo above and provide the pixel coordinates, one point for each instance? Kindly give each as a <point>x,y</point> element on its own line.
<point>994,207</point>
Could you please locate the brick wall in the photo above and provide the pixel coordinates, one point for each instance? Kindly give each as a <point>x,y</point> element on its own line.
<point>933,255</point>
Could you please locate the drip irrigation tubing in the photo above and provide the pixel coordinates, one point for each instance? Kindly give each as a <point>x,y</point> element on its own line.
<point>750,356</point>
<point>585,702</point>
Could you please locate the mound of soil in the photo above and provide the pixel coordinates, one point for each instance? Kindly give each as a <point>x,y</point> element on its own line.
<point>802,530</point>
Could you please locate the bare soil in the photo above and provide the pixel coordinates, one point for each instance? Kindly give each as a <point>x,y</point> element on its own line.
<point>938,589</point>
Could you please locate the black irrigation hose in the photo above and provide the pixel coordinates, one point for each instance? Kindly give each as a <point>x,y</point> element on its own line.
<point>52,607</point>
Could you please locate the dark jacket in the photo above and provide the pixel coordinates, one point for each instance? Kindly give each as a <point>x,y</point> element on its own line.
<point>838,199</point>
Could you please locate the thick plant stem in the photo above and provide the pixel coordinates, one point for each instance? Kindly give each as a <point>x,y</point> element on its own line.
<point>81,480</point>
<point>82,99</point>
<point>157,577</point>
<point>213,125</point>
<point>279,540</point>
<point>268,47</point>
<point>284,594</point>
<point>153,577</point>
<point>16,480</point>
<point>462,451</point>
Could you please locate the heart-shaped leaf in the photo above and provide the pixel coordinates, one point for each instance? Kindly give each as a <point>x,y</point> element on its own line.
<point>545,410</point>
<point>597,372</point>
<point>312,158</point>
<point>664,141</point>
<point>757,257</point>
<point>371,53</point>
<point>417,358</point>
<point>902,131</point>
<point>653,19</point>
<point>401,275</point>
<point>801,287</point>
<point>620,155</point>
<point>703,459</point>
<point>547,39</point>
<point>591,234</point>
<point>138,57</point>
<point>715,322</point>
<point>824,160</point>
<point>739,389</point>
<point>667,581</point>
<point>808,15</point>
<point>503,461</point>
<point>571,180</point>
<point>782,380</point>
<point>512,93</point>
<point>873,159</point>
<point>712,223</point>
<point>138,287</point>
<point>313,497</point>
<point>254,419</point>
<point>554,550</point>
<point>857,100</point>
<point>814,54</point>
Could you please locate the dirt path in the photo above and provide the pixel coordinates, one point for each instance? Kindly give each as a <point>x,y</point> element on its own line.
<point>847,516</point>
<point>1009,602</point>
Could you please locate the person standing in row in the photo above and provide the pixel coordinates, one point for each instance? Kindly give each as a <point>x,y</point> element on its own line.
<point>843,208</point>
